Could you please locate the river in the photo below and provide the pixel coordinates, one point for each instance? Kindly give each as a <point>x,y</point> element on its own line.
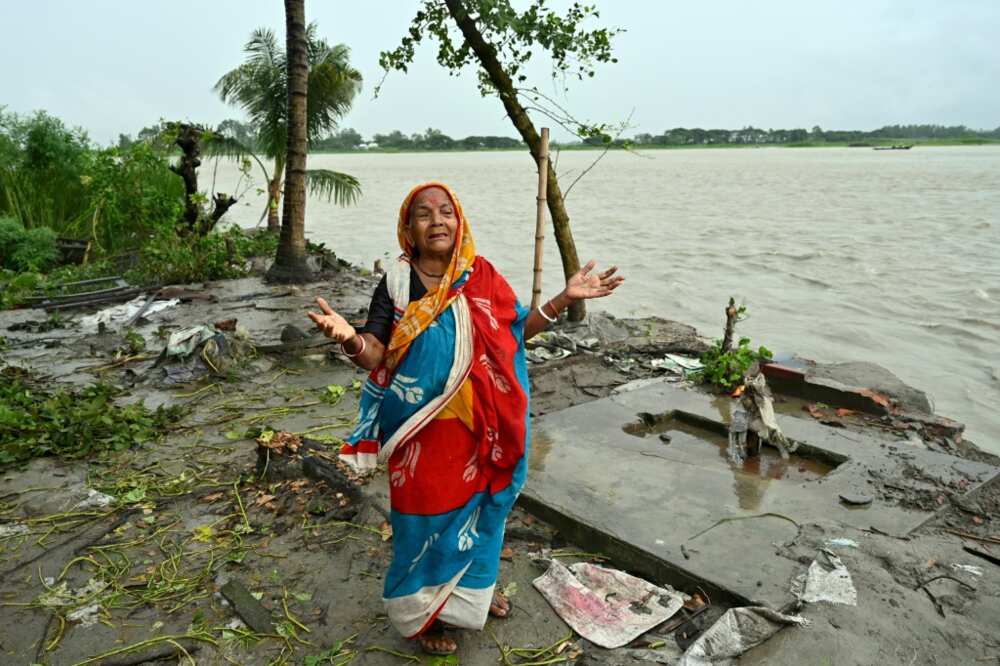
<point>838,253</point>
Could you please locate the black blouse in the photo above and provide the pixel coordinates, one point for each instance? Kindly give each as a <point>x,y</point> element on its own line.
<point>381,312</point>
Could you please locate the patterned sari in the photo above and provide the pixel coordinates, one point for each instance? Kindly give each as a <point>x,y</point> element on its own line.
<point>447,411</point>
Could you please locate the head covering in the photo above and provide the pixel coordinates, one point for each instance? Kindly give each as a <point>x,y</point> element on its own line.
<point>419,314</point>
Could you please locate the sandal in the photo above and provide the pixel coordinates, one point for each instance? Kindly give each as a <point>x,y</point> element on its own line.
<point>434,642</point>
<point>500,606</point>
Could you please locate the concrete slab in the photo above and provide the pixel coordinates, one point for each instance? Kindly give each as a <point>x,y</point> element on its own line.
<point>679,512</point>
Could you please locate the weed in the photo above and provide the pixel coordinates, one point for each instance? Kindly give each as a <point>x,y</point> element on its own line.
<point>70,423</point>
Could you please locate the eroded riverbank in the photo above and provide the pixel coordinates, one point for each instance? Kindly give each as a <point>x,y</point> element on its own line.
<point>144,563</point>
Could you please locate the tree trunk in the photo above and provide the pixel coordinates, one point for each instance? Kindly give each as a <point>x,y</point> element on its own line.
<point>274,195</point>
<point>729,332</point>
<point>189,141</point>
<point>519,117</point>
<point>273,201</point>
<point>290,262</point>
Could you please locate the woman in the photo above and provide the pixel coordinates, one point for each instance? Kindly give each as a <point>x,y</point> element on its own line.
<point>446,407</point>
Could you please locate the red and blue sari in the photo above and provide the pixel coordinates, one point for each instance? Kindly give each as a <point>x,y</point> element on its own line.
<point>447,412</point>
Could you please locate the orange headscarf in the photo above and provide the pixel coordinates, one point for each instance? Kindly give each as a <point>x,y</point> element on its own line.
<point>419,314</point>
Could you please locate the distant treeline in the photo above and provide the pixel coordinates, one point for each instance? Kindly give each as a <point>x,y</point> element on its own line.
<point>683,136</point>
<point>349,139</point>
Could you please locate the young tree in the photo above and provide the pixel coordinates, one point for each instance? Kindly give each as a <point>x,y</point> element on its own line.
<point>260,87</point>
<point>290,261</point>
<point>500,41</point>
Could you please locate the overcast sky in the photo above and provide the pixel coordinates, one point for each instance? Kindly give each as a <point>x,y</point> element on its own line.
<point>115,66</point>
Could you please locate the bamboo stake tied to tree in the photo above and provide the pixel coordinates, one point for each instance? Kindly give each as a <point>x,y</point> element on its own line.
<point>541,202</point>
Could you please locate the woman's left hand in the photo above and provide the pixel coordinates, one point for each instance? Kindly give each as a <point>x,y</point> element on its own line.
<point>586,285</point>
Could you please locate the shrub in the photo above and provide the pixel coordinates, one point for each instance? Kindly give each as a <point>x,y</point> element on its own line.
<point>37,251</point>
<point>171,259</point>
<point>27,250</point>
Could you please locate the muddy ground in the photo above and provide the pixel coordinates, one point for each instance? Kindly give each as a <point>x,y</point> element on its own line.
<point>136,574</point>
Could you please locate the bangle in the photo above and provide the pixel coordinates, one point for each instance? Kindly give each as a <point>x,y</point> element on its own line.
<point>541,311</point>
<point>357,353</point>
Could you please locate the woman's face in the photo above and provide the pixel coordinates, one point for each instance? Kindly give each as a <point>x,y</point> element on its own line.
<point>433,223</point>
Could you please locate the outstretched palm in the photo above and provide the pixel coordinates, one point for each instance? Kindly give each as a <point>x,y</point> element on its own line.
<point>583,284</point>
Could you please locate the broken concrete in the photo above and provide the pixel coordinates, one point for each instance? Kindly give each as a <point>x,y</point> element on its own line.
<point>589,474</point>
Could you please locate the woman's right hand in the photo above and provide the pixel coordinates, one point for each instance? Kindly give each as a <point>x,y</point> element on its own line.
<point>332,324</point>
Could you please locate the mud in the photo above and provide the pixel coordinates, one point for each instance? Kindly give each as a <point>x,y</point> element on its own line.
<point>186,515</point>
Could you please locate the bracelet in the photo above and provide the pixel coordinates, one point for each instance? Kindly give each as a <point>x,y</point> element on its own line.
<point>357,353</point>
<point>547,318</point>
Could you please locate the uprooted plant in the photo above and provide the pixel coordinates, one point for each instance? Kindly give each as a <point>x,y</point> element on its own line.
<point>725,365</point>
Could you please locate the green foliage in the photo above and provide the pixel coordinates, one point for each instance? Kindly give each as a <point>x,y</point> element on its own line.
<point>512,37</point>
<point>53,177</point>
<point>15,287</point>
<point>132,194</point>
<point>41,164</point>
<point>26,250</point>
<point>134,342</point>
<point>169,259</point>
<point>726,370</point>
<point>260,87</point>
<point>37,252</point>
<point>574,50</point>
<point>70,423</point>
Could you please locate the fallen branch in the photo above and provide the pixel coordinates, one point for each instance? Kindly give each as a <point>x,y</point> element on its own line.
<point>966,535</point>
<point>170,639</point>
<point>971,588</point>
<point>735,518</point>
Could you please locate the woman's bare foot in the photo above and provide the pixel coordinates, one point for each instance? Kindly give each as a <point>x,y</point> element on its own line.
<point>500,607</point>
<point>433,641</point>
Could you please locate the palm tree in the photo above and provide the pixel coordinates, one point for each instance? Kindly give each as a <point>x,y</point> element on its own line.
<point>290,262</point>
<point>260,87</point>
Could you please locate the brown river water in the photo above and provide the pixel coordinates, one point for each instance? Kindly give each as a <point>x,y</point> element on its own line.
<point>839,253</point>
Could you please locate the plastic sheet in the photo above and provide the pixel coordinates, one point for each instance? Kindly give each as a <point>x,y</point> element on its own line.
<point>608,607</point>
<point>120,314</point>
<point>738,630</point>
<point>826,580</point>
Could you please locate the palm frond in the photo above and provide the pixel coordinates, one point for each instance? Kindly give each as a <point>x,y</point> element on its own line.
<point>341,188</point>
<point>217,144</point>
<point>259,86</point>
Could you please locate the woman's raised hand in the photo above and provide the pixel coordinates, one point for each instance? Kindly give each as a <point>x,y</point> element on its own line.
<point>585,285</point>
<point>332,324</point>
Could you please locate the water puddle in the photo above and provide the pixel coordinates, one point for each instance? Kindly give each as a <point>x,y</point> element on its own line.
<point>703,442</point>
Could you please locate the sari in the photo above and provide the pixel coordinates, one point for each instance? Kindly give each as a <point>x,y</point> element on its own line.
<point>447,412</point>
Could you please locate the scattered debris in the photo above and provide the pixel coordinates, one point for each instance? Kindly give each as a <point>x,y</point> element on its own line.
<point>738,630</point>
<point>94,500</point>
<point>607,607</point>
<point>759,405</point>
<point>182,343</point>
<point>842,542</point>
<point>678,364</point>
<point>247,607</point>
<point>856,499</point>
<point>826,580</point>
<point>85,615</point>
<point>983,554</point>
<point>13,529</point>
<point>120,315</point>
<point>968,568</point>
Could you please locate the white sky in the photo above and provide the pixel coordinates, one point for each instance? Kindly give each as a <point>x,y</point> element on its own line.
<point>115,66</point>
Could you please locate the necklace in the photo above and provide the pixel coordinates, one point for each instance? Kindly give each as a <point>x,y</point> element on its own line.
<point>426,274</point>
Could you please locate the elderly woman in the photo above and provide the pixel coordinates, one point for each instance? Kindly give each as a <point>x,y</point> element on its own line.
<point>446,408</point>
